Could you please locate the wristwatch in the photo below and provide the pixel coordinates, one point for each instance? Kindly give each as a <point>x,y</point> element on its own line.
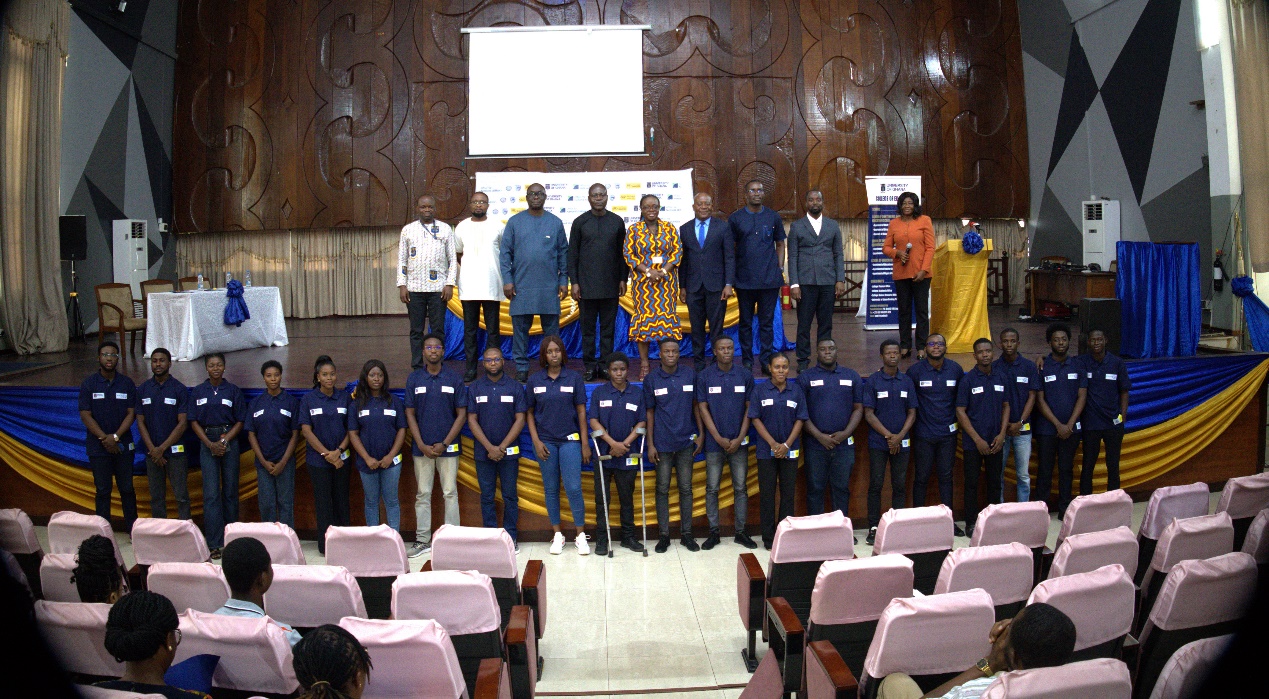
<point>984,667</point>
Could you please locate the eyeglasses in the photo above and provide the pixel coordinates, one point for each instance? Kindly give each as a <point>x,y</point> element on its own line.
<point>109,355</point>
<point>178,637</point>
<point>935,343</point>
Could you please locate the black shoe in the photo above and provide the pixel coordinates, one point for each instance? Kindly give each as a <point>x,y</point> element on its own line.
<point>766,543</point>
<point>711,541</point>
<point>748,365</point>
<point>601,547</point>
<point>663,544</point>
<point>470,375</point>
<point>872,536</point>
<point>959,531</point>
<point>633,544</point>
<point>802,366</point>
<point>744,540</point>
<point>592,374</point>
<point>766,370</point>
<point>969,531</point>
<point>689,542</point>
<point>215,554</point>
<point>522,376</point>
<point>601,373</point>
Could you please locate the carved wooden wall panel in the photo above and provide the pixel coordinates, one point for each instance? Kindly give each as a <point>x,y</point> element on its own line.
<point>304,113</point>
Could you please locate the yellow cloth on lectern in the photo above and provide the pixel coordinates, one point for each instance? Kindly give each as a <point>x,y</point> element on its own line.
<point>958,296</point>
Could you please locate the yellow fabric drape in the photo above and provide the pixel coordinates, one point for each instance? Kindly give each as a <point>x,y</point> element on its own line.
<point>569,312</point>
<point>958,290</point>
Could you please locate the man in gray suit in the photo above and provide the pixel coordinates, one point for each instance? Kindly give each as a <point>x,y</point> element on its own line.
<point>817,273</point>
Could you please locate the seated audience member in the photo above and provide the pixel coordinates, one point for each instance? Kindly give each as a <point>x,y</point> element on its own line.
<point>97,575</point>
<point>331,664</point>
<point>1038,636</point>
<point>142,632</point>
<point>249,572</point>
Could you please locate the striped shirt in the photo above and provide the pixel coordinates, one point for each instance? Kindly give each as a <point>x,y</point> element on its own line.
<point>426,258</point>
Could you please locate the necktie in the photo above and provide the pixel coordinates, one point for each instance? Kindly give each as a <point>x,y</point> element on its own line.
<point>702,229</point>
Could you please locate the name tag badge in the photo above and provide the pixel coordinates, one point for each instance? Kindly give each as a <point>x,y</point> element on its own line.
<point>689,388</point>
<point>508,399</point>
<point>447,389</point>
<point>224,401</point>
<point>661,392</point>
<point>420,389</point>
<point>1072,376</point>
<point>976,390</point>
<point>257,413</point>
<point>485,399</point>
<point>452,449</point>
<point>342,411</point>
<point>715,389</point>
<point>998,388</point>
<point>817,382</point>
<point>845,382</point>
<point>903,394</point>
<point>1077,426</point>
<point>850,441</point>
<point>658,259</point>
<point>739,389</point>
<point>285,412</point>
<point>793,453</point>
<point>431,275</point>
<point>314,411</point>
<point>131,446</point>
<point>390,412</point>
<point>1119,419</point>
<point>178,448</point>
<point>1023,379</point>
<point>1112,377</point>
<point>1050,378</point>
<point>121,396</point>
<point>904,443</point>
<point>632,461</point>
<point>951,383</point>
<point>169,401</point>
<point>605,404</point>
<point>539,389</point>
<point>767,402</point>
<point>632,407</point>
<point>100,396</point>
<point>883,394</point>
<point>345,454</point>
<point>200,401</point>
<point>1090,374</point>
<point>513,450</point>
<point>1026,427</point>
<point>145,401</point>
<point>566,389</point>
<point>744,441</point>
<point>792,404</point>
<point>926,384</point>
<point>951,427</point>
<point>363,413</point>
<point>575,437</point>
<point>396,460</point>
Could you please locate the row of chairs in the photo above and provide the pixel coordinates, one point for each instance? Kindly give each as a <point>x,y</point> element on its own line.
<point>117,309</point>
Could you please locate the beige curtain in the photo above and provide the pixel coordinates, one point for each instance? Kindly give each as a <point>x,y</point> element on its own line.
<point>1249,33</point>
<point>32,62</point>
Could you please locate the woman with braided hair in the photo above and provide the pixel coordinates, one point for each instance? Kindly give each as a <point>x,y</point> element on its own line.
<point>97,575</point>
<point>331,664</point>
<point>142,633</point>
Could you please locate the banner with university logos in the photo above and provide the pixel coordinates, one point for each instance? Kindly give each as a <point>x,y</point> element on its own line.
<point>880,306</point>
<point>566,193</point>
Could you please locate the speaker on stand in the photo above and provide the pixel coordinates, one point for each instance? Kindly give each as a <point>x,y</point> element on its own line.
<point>73,231</point>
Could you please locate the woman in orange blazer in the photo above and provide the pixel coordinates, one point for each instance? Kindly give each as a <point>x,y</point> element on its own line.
<point>910,241</point>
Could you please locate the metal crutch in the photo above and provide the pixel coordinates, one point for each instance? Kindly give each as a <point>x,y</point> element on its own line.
<point>603,488</point>
<point>643,496</point>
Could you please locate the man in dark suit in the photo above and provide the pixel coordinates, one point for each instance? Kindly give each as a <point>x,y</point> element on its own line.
<point>817,273</point>
<point>707,272</point>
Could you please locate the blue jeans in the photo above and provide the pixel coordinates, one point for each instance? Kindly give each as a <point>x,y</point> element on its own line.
<point>1021,448</point>
<point>117,468</point>
<point>489,473</point>
<point>825,469</point>
<point>520,326</point>
<point>220,490</point>
<point>564,463</point>
<point>935,456</point>
<point>277,494</point>
<point>381,484</point>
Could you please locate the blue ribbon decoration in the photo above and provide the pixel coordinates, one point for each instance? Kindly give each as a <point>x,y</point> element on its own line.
<point>1254,311</point>
<point>236,306</point>
<point>972,242</point>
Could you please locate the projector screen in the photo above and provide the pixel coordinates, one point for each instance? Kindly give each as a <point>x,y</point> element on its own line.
<point>555,90</point>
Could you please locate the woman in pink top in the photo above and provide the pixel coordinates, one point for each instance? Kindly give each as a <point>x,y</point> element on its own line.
<point>910,241</point>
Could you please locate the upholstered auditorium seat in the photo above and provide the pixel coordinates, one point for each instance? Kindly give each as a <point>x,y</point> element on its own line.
<point>492,552</point>
<point>1183,540</point>
<point>278,538</point>
<point>255,655</point>
<point>1084,553</point>
<point>165,541</point>
<point>1243,498</point>
<point>375,556</point>
<point>415,658</point>
<point>67,530</point>
<point>1095,513</point>
<point>1166,504</point>
<point>56,571</point>
<point>1004,571</point>
<point>1103,678</point>
<point>307,596</point>
<point>17,536</point>
<point>1183,675</point>
<point>76,633</point>
<point>1100,603</point>
<point>1257,542</point>
<point>923,534</point>
<point>198,586</point>
<point>1024,522</point>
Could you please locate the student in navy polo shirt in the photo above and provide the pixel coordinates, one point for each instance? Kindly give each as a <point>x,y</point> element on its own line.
<point>272,425</point>
<point>982,409</point>
<point>1063,391</point>
<point>616,412</point>
<point>438,396</point>
<point>106,407</point>
<point>1024,381</point>
<point>835,405</point>
<point>934,437</point>
<point>324,424</point>
<point>777,409</point>
<point>722,399</point>
<point>495,414</point>
<point>759,235</point>
<point>556,399</point>
<point>675,438</point>
<point>217,415</point>
<point>376,428</point>
<point>1105,412</point>
<point>890,404</point>
<point>162,412</point>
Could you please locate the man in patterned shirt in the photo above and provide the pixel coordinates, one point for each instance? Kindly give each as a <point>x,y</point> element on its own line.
<point>427,270</point>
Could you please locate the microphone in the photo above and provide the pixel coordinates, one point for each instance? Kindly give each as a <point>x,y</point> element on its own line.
<point>907,252</point>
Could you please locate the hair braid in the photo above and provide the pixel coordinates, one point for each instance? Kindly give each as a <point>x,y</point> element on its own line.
<point>327,660</point>
<point>96,573</point>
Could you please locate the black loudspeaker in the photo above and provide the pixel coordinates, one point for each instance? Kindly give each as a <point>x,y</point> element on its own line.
<point>74,234</point>
<point>1100,314</point>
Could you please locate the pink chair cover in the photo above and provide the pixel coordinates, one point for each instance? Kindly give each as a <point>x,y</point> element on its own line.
<point>197,586</point>
<point>255,655</point>
<point>915,530</point>
<point>56,570</point>
<point>1096,512</point>
<point>67,530</point>
<point>1084,553</point>
<point>848,592</point>
<point>1024,522</point>
<point>826,537</point>
<point>278,538</point>
<point>1204,592</point>
<point>76,633</point>
<point>367,552</point>
<point>1005,571</point>
<point>490,551</point>
<point>309,596</point>
<point>1174,502</point>
<point>1104,678</point>
<point>1257,541</point>
<point>90,692</point>
<point>17,534</point>
<point>766,682</point>
<point>168,541</point>
<point>412,658</point>
<point>1245,496</point>
<point>1196,537</point>
<point>461,601</point>
<point>931,635</point>
<point>1101,603</point>
<point>1183,675</point>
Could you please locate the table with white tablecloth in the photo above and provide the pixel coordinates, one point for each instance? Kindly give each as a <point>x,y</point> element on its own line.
<point>191,324</point>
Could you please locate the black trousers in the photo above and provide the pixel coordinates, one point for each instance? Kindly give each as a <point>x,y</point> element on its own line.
<point>471,323</point>
<point>974,464</point>
<point>877,460</point>
<point>912,293</point>
<point>703,307</point>
<point>935,456</point>
<point>775,474</point>
<point>605,310</point>
<point>1093,439</point>
<point>625,481</point>
<point>1061,451</point>
<point>426,308</point>
<point>330,498</point>
<point>816,304</point>
<point>117,468</point>
<point>765,300</point>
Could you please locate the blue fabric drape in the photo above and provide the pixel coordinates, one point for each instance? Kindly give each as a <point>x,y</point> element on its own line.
<point>235,306</point>
<point>1254,311</point>
<point>1158,287</point>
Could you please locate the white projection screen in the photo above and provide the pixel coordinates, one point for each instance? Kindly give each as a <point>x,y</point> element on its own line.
<point>555,90</point>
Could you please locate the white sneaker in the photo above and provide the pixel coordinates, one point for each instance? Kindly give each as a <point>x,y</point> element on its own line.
<point>557,543</point>
<point>583,548</point>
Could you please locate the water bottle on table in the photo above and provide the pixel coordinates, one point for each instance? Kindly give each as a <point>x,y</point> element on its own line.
<point>247,279</point>
<point>200,283</point>
<point>228,278</point>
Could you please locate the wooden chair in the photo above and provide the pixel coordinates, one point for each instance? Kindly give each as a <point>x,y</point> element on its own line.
<point>154,286</point>
<point>187,284</point>
<point>115,314</point>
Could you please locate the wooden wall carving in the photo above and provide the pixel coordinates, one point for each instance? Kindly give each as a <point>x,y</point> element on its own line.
<point>302,113</point>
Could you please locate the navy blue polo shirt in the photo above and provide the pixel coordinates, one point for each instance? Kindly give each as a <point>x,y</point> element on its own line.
<point>756,236</point>
<point>554,404</point>
<point>435,400</point>
<point>983,396</point>
<point>327,417</point>
<point>495,404</point>
<point>161,404</point>
<point>936,399</point>
<point>1023,378</point>
<point>376,424</point>
<point>274,419</point>
<point>1060,382</point>
<point>672,400</point>
<point>617,412</point>
<point>779,411</point>
<point>1106,379</point>
<point>108,402</point>
<point>890,397</point>
<point>726,393</point>
<point>831,396</point>
<point>217,405</point>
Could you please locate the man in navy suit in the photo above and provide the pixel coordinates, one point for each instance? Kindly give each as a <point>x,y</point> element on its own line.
<point>707,272</point>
